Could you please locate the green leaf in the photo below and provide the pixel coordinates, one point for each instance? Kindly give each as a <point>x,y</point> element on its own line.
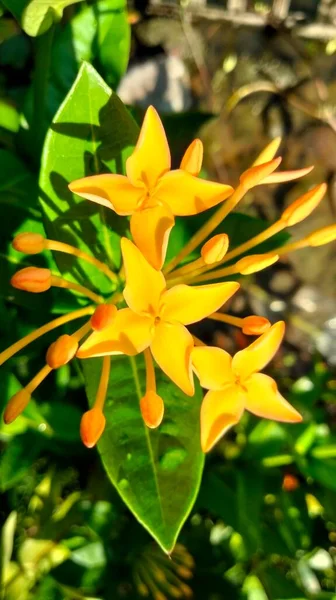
<point>113,38</point>
<point>37,16</point>
<point>156,472</point>
<point>92,132</point>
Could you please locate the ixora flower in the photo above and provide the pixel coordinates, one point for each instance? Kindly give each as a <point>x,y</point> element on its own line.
<point>160,304</point>
<point>151,192</point>
<point>156,318</point>
<point>235,384</point>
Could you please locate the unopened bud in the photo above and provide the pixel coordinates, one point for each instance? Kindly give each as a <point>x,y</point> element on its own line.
<point>175,592</point>
<point>16,406</point>
<point>103,316</point>
<point>142,589</point>
<point>184,572</point>
<point>215,249</point>
<point>62,351</point>
<point>290,483</point>
<point>159,596</point>
<point>304,205</point>
<point>187,591</point>
<point>152,409</point>
<point>29,243</point>
<point>255,175</point>
<point>322,236</point>
<point>256,262</point>
<point>32,279</point>
<point>92,426</point>
<point>193,157</point>
<point>255,325</point>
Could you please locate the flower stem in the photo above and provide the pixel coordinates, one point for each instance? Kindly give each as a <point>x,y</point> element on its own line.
<point>207,228</point>
<point>68,249</point>
<point>34,335</point>
<point>70,285</point>
<point>103,383</point>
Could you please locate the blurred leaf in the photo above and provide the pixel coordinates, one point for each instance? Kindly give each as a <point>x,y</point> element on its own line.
<point>9,117</point>
<point>91,133</point>
<point>40,556</point>
<point>6,547</point>
<point>37,16</point>
<point>113,39</point>
<point>18,457</point>
<point>157,472</point>
<point>63,419</point>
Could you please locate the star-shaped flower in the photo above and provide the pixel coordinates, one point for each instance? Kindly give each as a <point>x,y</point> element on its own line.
<point>151,192</point>
<point>235,384</point>
<point>156,318</point>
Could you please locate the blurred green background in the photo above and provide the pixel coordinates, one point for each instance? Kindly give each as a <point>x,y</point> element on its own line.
<point>264,523</point>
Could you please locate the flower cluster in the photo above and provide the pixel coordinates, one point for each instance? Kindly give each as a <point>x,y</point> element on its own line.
<point>163,298</point>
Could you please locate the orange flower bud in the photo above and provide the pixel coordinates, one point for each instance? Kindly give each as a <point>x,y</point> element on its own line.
<point>193,157</point>
<point>32,279</point>
<point>290,483</point>
<point>29,243</point>
<point>184,572</point>
<point>16,405</point>
<point>255,175</point>
<point>304,205</point>
<point>256,262</point>
<point>255,325</point>
<point>62,351</point>
<point>152,409</point>
<point>103,316</point>
<point>322,236</point>
<point>92,426</point>
<point>215,249</point>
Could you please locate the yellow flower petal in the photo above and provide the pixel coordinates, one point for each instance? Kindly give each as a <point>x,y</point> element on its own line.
<point>189,304</point>
<point>188,195</point>
<point>144,285</point>
<point>193,158</point>
<point>171,348</point>
<point>219,411</point>
<point>129,334</point>
<point>150,229</point>
<point>113,191</point>
<point>264,400</point>
<point>282,176</point>
<point>268,153</point>
<point>256,356</point>
<point>151,156</point>
<point>212,367</point>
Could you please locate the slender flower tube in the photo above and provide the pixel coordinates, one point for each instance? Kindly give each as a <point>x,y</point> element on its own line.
<point>19,401</point>
<point>156,318</point>
<point>252,325</point>
<point>34,243</point>
<point>37,280</point>
<point>148,192</point>
<point>235,384</point>
<point>248,179</point>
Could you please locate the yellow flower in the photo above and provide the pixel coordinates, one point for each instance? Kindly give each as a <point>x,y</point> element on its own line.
<point>156,318</point>
<point>151,192</point>
<point>235,384</point>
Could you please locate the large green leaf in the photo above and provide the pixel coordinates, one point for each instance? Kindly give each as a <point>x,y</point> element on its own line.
<point>113,38</point>
<point>156,472</point>
<point>37,16</point>
<point>92,132</point>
